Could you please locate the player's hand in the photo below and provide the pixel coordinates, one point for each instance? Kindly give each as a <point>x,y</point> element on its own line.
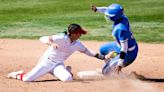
<point>99,56</point>
<point>93,7</point>
<point>119,66</point>
<point>54,45</point>
<point>51,43</point>
<point>108,56</point>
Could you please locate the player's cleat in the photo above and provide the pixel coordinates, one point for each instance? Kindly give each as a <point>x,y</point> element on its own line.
<point>69,69</point>
<point>13,75</point>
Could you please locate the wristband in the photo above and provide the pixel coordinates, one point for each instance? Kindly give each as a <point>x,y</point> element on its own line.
<point>122,55</point>
<point>99,56</point>
<point>95,10</point>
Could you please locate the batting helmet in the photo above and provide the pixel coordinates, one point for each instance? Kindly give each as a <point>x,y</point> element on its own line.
<point>114,12</point>
<point>75,28</point>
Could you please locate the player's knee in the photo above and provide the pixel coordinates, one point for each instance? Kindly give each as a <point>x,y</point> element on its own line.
<point>26,79</point>
<point>103,50</point>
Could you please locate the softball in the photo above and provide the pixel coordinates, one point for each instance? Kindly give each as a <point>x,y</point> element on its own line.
<point>114,54</point>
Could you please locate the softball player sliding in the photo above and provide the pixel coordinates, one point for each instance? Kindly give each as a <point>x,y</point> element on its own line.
<point>125,45</point>
<point>61,46</point>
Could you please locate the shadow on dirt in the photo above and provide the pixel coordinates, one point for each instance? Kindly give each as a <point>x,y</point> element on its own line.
<point>152,80</point>
<point>143,78</point>
<point>74,80</point>
<point>51,80</point>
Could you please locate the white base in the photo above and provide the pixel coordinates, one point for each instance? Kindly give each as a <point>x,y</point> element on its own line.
<point>92,74</point>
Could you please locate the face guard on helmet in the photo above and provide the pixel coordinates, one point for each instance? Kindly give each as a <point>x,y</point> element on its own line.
<point>114,12</point>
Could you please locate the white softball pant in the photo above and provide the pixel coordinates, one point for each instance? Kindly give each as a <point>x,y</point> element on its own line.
<point>109,68</point>
<point>48,66</point>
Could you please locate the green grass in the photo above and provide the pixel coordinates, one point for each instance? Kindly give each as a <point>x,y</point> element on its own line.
<point>30,19</point>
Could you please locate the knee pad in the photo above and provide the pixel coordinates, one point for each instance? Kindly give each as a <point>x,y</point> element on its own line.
<point>67,78</point>
<point>103,50</point>
<point>27,79</point>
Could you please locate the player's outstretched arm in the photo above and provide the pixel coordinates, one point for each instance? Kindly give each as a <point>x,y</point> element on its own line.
<point>93,54</point>
<point>98,9</point>
<point>49,41</point>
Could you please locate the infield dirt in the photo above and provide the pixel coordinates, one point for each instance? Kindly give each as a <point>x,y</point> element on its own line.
<point>24,54</point>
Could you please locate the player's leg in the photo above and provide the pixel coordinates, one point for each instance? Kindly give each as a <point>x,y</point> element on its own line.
<point>130,56</point>
<point>109,67</point>
<point>105,49</point>
<point>109,47</point>
<point>43,67</point>
<point>62,73</point>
